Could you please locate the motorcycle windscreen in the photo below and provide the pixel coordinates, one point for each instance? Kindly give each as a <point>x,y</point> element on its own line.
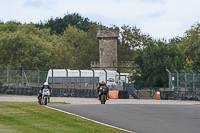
<point>103,89</point>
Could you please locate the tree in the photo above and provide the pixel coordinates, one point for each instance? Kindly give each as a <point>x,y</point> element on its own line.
<point>189,43</point>
<point>152,63</point>
<point>175,41</point>
<point>75,49</point>
<point>131,39</point>
<point>195,65</point>
<point>59,25</point>
<point>62,55</point>
<point>134,37</point>
<point>24,45</point>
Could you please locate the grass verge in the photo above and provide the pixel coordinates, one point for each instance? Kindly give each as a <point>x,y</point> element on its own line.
<point>21,117</point>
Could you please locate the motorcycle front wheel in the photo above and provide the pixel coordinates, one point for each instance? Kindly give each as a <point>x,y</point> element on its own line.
<point>103,100</point>
<point>40,101</point>
<point>45,101</point>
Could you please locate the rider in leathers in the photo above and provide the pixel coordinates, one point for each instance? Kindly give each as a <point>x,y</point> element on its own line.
<point>46,85</point>
<point>98,88</point>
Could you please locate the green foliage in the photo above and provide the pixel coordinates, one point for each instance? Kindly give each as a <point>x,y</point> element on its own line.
<point>152,63</point>
<point>75,49</point>
<point>71,42</point>
<point>175,41</point>
<point>189,43</point>
<point>195,65</point>
<point>1,83</point>
<point>24,45</point>
<point>131,39</point>
<point>29,46</point>
<point>59,25</point>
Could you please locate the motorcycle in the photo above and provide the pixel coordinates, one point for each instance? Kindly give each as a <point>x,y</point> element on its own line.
<point>103,91</point>
<point>45,97</point>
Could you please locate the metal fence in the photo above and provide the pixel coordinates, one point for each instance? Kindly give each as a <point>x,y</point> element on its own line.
<point>83,84</point>
<point>184,81</point>
<point>23,78</point>
<point>36,78</point>
<point>74,82</point>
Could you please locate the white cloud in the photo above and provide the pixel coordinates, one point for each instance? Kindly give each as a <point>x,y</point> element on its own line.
<point>159,18</point>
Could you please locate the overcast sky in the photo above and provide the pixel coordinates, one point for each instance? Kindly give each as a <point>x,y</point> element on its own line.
<point>158,18</point>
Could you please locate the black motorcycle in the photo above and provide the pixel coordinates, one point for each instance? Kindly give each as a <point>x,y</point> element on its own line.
<point>103,91</point>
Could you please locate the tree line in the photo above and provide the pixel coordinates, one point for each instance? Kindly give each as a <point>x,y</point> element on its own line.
<point>71,42</point>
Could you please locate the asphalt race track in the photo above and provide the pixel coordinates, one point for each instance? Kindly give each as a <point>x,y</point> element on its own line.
<point>137,115</point>
<point>142,118</point>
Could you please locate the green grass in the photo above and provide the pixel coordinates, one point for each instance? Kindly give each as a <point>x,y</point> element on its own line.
<point>25,117</point>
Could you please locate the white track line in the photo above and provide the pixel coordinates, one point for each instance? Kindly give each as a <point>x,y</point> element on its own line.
<point>89,119</point>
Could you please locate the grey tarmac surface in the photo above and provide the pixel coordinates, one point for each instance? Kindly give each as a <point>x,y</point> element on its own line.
<point>137,115</point>
<point>75,100</point>
<point>142,118</point>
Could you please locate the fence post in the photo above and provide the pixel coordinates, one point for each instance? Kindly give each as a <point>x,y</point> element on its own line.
<point>185,80</point>
<point>52,77</point>
<point>193,74</point>
<point>66,78</point>
<point>79,78</point>
<point>198,82</point>
<point>177,79</point>
<point>22,74</point>
<point>118,72</point>
<point>93,81</point>
<point>106,75</point>
<point>125,82</point>
<point>169,78</point>
<point>38,76</point>
<point>7,75</point>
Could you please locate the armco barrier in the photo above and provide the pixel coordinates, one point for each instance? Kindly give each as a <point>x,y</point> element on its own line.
<point>61,92</point>
<point>114,94</point>
<point>85,93</point>
<point>118,94</point>
<point>13,90</point>
<point>166,95</point>
<point>179,95</point>
<point>123,94</point>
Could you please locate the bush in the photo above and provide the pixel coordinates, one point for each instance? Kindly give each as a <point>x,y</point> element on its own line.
<point>1,83</point>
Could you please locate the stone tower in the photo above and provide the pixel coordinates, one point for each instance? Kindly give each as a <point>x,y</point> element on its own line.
<point>107,49</point>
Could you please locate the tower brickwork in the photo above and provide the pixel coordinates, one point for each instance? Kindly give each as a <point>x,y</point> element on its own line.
<point>107,49</point>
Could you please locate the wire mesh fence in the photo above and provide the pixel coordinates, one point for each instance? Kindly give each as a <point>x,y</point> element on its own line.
<point>57,78</point>
<point>64,82</point>
<point>188,82</point>
<point>72,79</point>
<point>24,78</point>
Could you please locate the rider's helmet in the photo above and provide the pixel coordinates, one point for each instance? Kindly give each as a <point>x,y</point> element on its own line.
<point>103,83</point>
<point>46,84</point>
